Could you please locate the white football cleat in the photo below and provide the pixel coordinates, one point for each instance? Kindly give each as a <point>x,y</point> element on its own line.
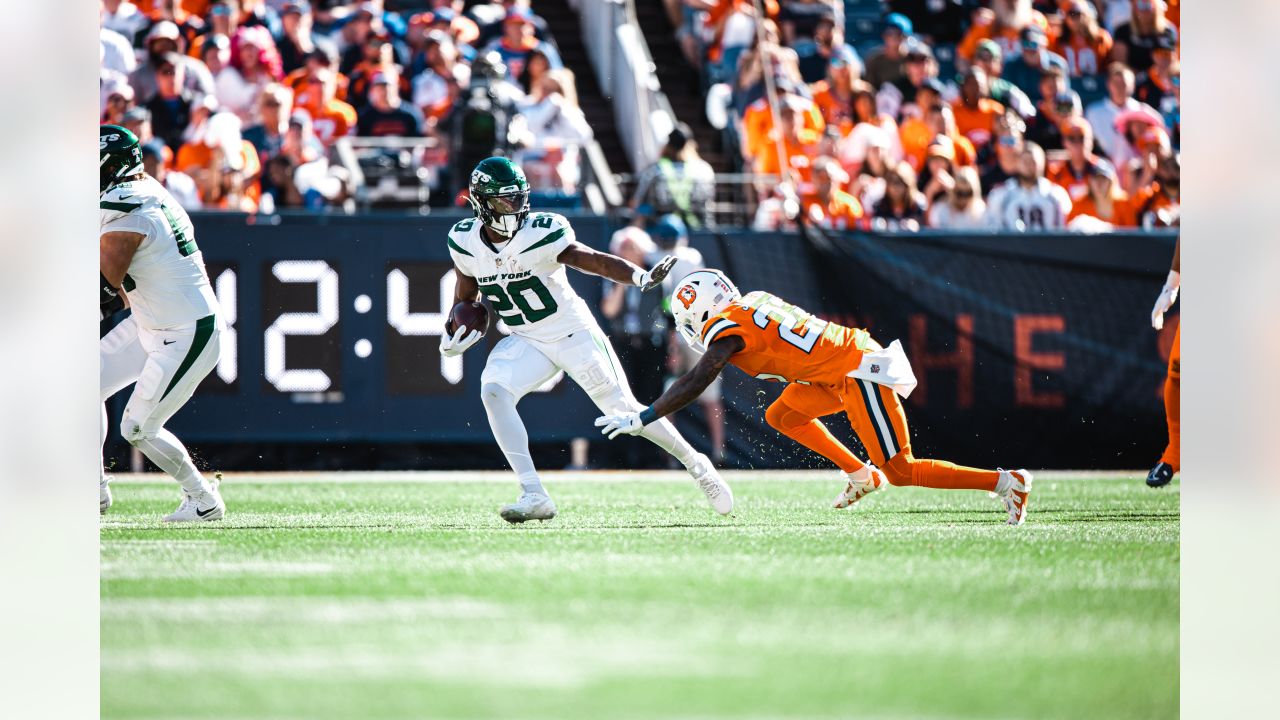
<point>199,507</point>
<point>1016,497</point>
<point>712,485</point>
<point>104,495</point>
<point>862,483</point>
<point>530,506</point>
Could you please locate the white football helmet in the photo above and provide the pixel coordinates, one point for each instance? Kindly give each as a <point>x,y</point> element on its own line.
<point>698,297</point>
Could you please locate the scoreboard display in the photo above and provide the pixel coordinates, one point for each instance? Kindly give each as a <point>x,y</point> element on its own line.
<point>334,325</point>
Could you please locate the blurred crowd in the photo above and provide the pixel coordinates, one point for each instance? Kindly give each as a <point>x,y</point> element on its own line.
<point>1015,114</point>
<point>240,103</point>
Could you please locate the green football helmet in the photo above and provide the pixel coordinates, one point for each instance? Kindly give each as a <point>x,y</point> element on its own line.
<point>119,155</point>
<point>499,195</point>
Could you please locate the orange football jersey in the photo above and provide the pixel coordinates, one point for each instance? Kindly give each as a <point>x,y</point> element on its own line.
<point>787,344</point>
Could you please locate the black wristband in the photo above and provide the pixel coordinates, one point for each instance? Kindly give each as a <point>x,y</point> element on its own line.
<point>106,291</point>
<point>647,416</point>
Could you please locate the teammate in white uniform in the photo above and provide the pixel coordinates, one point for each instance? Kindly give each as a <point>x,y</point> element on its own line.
<point>1029,201</point>
<point>517,261</point>
<point>170,341</point>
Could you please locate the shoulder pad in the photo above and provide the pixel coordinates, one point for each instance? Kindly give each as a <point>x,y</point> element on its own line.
<point>457,233</point>
<point>118,202</point>
<point>548,229</point>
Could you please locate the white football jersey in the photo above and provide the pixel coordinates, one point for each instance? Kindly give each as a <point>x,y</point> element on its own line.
<point>524,282</point>
<point>1043,207</point>
<point>166,282</point>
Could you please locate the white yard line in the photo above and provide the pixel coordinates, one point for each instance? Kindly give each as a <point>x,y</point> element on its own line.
<point>559,476</point>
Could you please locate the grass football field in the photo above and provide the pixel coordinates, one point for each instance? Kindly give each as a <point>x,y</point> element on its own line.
<point>403,595</point>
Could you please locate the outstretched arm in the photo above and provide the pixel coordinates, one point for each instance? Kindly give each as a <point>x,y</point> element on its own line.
<point>681,393</point>
<point>583,258</point>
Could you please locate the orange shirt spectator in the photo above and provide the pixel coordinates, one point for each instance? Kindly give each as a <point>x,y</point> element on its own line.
<point>332,120</point>
<point>917,135</point>
<point>720,14</point>
<point>1121,214</point>
<point>988,26</point>
<point>757,123</point>
<point>1103,198</point>
<point>1085,45</point>
<point>1156,206</point>
<point>198,160</point>
<point>800,151</point>
<point>834,111</point>
<point>1061,173</point>
<point>977,124</point>
<point>297,82</point>
<point>842,211</point>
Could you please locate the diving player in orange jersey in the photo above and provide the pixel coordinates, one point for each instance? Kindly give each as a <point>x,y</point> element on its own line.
<point>1162,473</point>
<point>829,368</point>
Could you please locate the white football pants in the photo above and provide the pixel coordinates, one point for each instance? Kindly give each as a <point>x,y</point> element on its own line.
<point>166,366</point>
<point>518,365</point>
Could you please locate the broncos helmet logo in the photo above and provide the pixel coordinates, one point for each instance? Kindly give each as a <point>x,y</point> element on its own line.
<point>686,296</point>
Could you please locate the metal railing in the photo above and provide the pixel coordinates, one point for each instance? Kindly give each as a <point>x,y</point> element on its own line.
<point>735,199</point>
<point>627,75</point>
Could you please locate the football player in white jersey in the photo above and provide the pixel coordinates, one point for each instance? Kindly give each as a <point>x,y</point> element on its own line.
<point>170,341</point>
<point>516,260</point>
<point>1029,201</point>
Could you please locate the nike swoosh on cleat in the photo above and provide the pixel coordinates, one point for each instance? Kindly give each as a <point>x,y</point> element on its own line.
<point>204,513</point>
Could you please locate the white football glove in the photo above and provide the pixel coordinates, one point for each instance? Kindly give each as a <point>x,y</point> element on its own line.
<point>1168,294</point>
<point>614,425</point>
<point>458,344</point>
<point>652,278</point>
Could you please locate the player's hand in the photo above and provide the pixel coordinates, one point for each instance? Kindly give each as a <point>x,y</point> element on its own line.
<point>459,342</point>
<point>653,277</point>
<point>1168,294</point>
<point>614,425</point>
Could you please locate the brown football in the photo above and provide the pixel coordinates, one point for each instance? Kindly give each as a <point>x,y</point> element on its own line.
<point>472,315</point>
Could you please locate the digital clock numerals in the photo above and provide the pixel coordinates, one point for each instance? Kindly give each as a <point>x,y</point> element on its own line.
<point>300,299</point>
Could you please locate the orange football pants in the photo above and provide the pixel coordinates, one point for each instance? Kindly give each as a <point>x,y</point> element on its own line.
<point>1172,400</point>
<point>877,417</point>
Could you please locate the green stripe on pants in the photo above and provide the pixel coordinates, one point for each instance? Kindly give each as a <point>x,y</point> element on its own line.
<point>605,348</point>
<point>204,331</point>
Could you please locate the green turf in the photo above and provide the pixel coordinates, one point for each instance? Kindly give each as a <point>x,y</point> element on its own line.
<point>369,596</point>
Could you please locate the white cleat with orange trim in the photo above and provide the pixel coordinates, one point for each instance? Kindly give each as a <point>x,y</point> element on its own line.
<point>1016,495</point>
<point>862,482</point>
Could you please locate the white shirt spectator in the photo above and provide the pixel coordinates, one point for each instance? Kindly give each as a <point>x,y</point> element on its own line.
<point>1117,13</point>
<point>110,83</point>
<point>237,95</point>
<point>430,88</point>
<point>183,189</point>
<point>1102,116</point>
<point>851,150</point>
<point>117,53</point>
<point>126,20</point>
<point>943,215</point>
<point>1044,206</point>
<point>551,125</point>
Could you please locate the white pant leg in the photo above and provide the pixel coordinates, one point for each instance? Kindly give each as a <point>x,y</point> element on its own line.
<point>120,361</point>
<point>120,358</point>
<point>514,369</point>
<point>177,360</point>
<point>589,359</point>
<point>518,365</point>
